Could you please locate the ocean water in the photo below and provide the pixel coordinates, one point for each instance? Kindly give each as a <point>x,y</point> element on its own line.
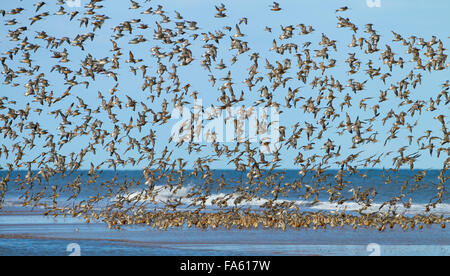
<point>28,235</point>
<point>25,231</point>
<point>420,193</point>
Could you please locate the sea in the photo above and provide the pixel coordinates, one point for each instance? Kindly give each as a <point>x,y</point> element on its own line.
<point>26,231</point>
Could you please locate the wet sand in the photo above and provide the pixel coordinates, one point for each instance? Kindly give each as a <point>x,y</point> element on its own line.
<point>27,232</point>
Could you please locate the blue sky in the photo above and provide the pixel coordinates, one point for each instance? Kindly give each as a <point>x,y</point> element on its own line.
<point>406,17</point>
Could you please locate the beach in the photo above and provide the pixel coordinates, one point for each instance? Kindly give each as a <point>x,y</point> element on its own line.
<point>25,232</point>
<point>245,128</point>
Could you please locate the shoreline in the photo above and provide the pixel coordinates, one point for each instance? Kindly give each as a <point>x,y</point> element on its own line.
<point>96,239</point>
<point>27,232</point>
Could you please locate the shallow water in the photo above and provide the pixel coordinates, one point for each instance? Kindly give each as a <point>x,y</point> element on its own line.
<point>29,233</point>
<point>422,195</point>
<point>25,231</point>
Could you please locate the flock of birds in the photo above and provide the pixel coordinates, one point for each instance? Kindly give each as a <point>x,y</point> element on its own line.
<point>290,77</point>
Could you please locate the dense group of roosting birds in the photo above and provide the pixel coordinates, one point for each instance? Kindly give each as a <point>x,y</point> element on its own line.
<point>295,77</point>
